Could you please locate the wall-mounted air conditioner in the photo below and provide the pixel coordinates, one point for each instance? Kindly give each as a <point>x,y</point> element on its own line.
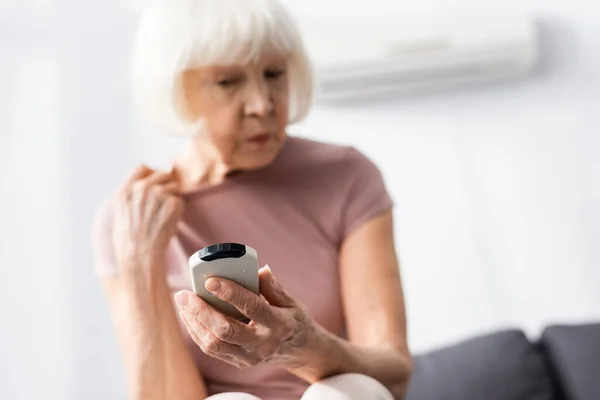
<point>360,57</point>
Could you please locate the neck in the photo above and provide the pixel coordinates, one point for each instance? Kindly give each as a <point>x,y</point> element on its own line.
<point>199,165</point>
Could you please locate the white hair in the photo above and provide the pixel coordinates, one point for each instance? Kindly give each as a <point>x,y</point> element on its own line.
<point>177,35</point>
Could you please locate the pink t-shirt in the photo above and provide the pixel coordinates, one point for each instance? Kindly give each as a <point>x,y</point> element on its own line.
<point>295,212</point>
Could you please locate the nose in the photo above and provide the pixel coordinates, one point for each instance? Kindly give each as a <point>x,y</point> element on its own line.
<point>259,102</point>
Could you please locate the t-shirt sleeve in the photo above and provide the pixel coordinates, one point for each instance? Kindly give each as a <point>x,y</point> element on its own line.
<point>367,195</point>
<point>103,257</point>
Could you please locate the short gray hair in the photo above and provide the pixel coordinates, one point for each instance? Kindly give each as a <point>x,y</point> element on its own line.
<point>176,35</point>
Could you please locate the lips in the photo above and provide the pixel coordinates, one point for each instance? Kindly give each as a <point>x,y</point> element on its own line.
<point>260,139</point>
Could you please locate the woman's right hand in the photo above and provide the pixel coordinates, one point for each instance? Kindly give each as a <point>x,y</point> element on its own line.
<point>148,208</point>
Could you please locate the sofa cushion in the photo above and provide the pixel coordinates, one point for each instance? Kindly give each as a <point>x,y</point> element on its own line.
<point>499,366</point>
<point>573,353</point>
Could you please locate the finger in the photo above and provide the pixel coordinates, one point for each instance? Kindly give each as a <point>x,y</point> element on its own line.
<point>140,172</point>
<point>236,362</point>
<point>272,290</point>
<point>158,178</point>
<point>151,182</point>
<point>247,302</point>
<point>196,331</point>
<point>224,328</point>
<point>212,346</point>
<point>172,188</point>
<point>173,206</point>
<point>168,194</point>
<point>233,354</point>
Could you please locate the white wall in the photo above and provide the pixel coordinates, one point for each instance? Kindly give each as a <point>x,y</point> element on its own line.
<point>34,236</point>
<point>496,187</point>
<point>64,142</point>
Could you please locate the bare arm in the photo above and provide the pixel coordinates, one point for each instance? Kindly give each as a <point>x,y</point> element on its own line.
<point>158,363</point>
<point>374,311</point>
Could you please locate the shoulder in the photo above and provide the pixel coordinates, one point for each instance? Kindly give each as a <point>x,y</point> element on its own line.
<point>351,182</point>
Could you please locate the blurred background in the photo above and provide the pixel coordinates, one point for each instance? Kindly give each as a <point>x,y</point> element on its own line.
<point>497,185</point>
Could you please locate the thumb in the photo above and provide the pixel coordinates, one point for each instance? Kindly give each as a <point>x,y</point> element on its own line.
<point>272,290</point>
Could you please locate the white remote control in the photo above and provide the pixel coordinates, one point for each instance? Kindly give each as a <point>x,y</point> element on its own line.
<point>233,261</point>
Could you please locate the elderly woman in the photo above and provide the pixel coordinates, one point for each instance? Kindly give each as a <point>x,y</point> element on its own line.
<point>330,320</point>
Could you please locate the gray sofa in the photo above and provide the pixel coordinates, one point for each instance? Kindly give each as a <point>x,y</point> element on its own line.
<point>564,364</point>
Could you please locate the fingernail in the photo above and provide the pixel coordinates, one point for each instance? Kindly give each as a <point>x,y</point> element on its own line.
<point>213,285</point>
<point>270,272</point>
<point>181,299</point>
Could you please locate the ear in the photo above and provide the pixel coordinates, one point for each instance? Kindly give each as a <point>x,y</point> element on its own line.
<point>272,290</point>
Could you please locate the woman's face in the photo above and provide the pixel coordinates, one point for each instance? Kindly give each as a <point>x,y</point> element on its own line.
<point>244,109</point>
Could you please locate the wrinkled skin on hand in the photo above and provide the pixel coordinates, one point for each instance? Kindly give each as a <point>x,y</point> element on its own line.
<point>279,327</point>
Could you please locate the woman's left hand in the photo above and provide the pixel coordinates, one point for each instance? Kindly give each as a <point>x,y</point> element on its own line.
<point>278,331</point>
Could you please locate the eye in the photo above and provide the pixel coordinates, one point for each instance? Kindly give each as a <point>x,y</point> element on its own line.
<point>274,74</point>
<point>227,82</point>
